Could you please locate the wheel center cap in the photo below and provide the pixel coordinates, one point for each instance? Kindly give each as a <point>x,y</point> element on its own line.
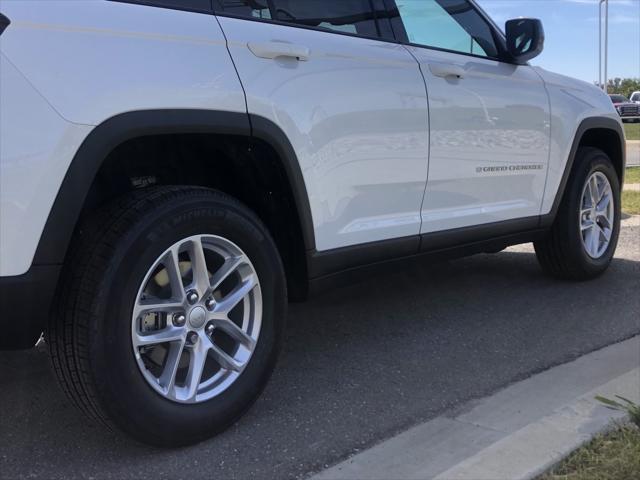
<point>197,317</point>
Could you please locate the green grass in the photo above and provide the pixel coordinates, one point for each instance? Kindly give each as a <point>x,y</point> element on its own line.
<point>632,131</point>
<point>632,175</point>
<point>631,204</point>
<point>631,199</point>
<point>613,456</point>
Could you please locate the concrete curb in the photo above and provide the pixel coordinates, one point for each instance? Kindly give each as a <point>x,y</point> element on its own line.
<point>517,433</point>
<point>539,446</point>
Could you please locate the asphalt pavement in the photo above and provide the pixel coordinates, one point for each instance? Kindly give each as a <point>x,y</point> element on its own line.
<point>517,433</point>
<point>361,364</point>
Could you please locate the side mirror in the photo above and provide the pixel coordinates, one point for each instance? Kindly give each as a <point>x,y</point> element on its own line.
<point>525,39</point>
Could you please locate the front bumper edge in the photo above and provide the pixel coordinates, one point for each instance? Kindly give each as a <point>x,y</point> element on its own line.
<point>25,306</point>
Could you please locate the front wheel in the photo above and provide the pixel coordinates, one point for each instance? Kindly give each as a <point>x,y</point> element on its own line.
<point>172,315</point>
<point>584,236</point>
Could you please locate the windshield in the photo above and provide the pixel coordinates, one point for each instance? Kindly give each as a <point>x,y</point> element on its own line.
<point>635,97</point>
<point>618,98</point>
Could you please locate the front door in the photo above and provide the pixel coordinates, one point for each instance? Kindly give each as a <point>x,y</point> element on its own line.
<point>490,120</point>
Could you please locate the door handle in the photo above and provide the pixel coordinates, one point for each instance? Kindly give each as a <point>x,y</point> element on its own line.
<point>445,70</point>
<point>272,50</point>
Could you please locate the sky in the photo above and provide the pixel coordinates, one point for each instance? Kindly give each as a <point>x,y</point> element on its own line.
<point>571,27</point>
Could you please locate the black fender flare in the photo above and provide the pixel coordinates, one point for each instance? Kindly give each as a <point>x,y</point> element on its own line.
<point>104,138</point>
<point>587,124</point>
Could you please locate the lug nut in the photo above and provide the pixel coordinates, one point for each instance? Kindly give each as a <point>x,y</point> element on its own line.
<point>179,320</point>
<point>192,297</point>
<point>210,329</point>
<point>210,303</point>
<point>192,338</point>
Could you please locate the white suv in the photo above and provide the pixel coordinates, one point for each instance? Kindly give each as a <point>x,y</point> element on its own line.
<point>173,171</point>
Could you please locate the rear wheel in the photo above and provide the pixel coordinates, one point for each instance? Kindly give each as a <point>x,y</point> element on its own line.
<point>584,236</point>
<point>172,314</point>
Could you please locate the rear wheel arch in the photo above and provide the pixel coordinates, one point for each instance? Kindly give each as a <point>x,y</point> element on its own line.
<point>77,193</point>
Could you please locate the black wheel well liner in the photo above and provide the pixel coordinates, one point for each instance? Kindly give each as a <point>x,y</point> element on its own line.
<point>117,130</point>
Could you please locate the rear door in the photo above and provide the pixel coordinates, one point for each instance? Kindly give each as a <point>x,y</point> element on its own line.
<point>351,102</point>
<point>490,120</point>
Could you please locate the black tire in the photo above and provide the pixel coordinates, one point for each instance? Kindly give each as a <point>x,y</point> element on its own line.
<point>90,332</point>
<point>561,252</point>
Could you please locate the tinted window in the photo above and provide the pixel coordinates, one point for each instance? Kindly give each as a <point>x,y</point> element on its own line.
<point>245,8</point>
<point>347,16</point>
<point>618,98</point>
<point>448,24</point>
<point>350,16</point>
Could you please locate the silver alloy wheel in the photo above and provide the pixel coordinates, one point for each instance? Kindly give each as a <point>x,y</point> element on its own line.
<point>597,215</point>
<point>197,319</point>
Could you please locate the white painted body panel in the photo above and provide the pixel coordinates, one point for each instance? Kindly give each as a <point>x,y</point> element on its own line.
<point>36,146</point>
<point>356,114</point>
<point>91,60</point>
<point>495,117</point>
<point>95,59</point>
<point>572,101</point>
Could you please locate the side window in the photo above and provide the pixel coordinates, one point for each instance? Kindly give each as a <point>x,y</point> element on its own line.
<point>357,17</point>
<point>244,8</point>
<point>350,16</point>
<point>448,24</point>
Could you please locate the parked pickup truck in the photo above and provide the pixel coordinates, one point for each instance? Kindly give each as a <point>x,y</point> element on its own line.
<point>174,172</point>
<point>628,111</point>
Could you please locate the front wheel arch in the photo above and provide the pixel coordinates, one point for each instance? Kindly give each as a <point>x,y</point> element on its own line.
<point>603,133</point>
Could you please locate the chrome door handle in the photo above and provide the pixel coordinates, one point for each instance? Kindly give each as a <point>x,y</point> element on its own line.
<point>272,50</point>
<point>445,70</point>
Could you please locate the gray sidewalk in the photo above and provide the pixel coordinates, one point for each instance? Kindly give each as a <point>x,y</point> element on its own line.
<point>518,433</point>
<point>633,153</point>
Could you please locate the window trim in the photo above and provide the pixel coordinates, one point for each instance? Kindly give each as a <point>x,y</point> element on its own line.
<point>153,3</point>
<point>216,5</point>
<point>396,26</point>
<point>498,37</point>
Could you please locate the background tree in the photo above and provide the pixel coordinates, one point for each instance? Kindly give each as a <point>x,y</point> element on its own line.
<point>624,86</point>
